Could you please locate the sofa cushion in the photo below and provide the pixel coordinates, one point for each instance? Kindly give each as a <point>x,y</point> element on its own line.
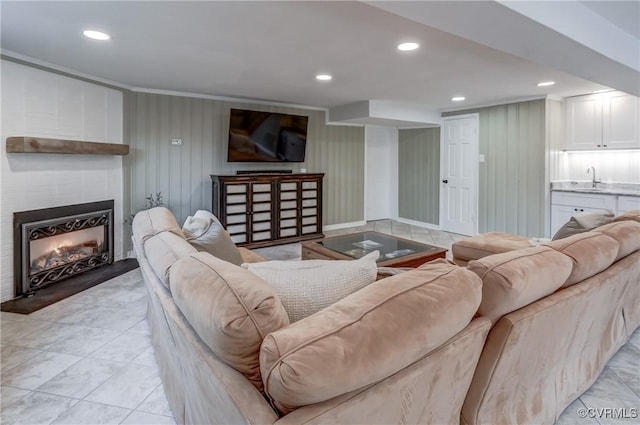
<point>512,280</point>
<point>231,309</point>
<point>163,250</point>
<point>591,253</point>
<point>367,336</point>
<point>487,244</point>
<point>308,286</point>
<point>148,223</point>
<point>626,233</point>
<point>206,233</point>
<point>629,215</point>
<point>583,222</point>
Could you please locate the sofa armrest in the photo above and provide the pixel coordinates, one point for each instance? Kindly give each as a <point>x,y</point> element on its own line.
<point>249,256</point>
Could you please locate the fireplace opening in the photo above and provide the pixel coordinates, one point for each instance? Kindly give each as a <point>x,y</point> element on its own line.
<point>53,244</point>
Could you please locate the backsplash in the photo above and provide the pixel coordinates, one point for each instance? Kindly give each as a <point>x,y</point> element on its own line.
<point>613,166</point>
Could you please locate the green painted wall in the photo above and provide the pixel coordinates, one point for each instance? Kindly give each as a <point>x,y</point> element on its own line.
<point>512,178</point>
<point>181,173</point>
<point>419,174</point>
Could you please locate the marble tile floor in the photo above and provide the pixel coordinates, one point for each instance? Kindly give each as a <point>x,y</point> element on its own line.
<point>88,359</point>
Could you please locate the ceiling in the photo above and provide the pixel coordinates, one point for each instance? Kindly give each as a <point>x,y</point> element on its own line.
<point>489,52</point>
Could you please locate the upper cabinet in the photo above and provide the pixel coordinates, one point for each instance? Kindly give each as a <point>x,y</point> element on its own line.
<point>603,121</point>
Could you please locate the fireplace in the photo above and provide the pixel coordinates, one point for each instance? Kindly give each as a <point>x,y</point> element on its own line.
<point>53,244</point>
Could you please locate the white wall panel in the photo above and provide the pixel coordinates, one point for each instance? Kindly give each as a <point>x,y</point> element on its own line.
<point>42,104</point>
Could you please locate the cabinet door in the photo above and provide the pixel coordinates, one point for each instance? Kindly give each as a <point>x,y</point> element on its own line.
<point>289,209</point>
<point>560,214</point>
<point>309,208</point>
<point>620,121</point>
<point>628,203</point>
<point>236,211</point>
<point>261,211</point>
<point>584,122</point>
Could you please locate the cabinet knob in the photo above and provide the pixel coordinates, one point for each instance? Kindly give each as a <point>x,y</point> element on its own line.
<point>604,146</point>
<point>598,145</point>
<point>445,181</point>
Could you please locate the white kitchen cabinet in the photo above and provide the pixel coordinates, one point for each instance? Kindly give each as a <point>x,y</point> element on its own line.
<point>627,203</point>
<point>608,120</point>
<point>565,204</point>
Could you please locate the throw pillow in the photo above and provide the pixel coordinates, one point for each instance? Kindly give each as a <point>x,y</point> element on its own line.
<point>205,233</point>
<point>307,286</point>
<point>583,222</point>
<point>231,309</point>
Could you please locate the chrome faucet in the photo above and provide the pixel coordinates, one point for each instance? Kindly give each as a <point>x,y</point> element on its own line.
<point>593,180</point>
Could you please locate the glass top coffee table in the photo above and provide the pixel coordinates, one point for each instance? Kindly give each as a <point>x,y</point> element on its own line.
<point>394,251</point>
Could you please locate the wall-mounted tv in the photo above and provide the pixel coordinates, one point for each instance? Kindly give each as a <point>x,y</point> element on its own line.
<point>256,136</point>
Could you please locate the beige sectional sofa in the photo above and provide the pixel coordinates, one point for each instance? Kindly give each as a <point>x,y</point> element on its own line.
<point>513,337</point>
<point>389,353</point>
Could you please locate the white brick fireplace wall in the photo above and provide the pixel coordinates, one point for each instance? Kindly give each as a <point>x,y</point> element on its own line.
<point>43,104</point>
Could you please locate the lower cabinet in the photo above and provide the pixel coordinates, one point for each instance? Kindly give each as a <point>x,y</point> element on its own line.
<point>269,209</point>
<point>566,204</point>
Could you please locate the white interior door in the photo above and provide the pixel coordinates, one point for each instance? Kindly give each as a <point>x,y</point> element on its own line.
<point>459,174</point>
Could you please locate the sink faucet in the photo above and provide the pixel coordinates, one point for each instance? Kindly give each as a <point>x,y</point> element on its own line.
<point>593,180</point>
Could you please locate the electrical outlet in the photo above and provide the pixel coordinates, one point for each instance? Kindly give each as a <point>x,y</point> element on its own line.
<point>176,142</point>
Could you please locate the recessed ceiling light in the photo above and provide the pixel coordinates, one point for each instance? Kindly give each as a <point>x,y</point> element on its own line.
<point>546,83</point>
<point>407,47</point>
<point>600,91</point>
<point>96,35</point>
<point>458,98</point>
<point>323,77</point>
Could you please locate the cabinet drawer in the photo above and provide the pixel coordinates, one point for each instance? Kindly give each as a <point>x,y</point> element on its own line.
<point>584,200</point>
<point>628,203</point>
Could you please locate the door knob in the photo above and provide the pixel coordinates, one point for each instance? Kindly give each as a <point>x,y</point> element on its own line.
<point>445,181</point>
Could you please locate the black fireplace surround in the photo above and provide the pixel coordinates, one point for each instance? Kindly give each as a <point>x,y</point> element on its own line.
<point>37,225</point>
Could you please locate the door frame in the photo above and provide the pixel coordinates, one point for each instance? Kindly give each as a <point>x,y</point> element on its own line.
<point>475,172</point>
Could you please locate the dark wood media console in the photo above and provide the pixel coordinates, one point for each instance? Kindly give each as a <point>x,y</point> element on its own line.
<point>269,209</point>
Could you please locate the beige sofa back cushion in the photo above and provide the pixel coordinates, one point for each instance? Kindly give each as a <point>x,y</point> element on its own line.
<point>629,215</point>
<point>231,309</point>
<point>163,250</point>
<point>204,231</point>
<point>512,280</point>
<point>626,233</point>
<point>367,336</point>
<point>485,244</point>
<point>591,253</point>
<point>148,223</point>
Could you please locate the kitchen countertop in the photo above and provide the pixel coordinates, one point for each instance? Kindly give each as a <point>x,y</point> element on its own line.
<point>625,189</point>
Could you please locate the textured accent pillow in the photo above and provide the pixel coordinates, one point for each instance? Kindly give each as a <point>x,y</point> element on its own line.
<point>367,336</point>
<point>206,233</point>
<point>583,222</point>
<point>231,309</point>
<point>308,286</point>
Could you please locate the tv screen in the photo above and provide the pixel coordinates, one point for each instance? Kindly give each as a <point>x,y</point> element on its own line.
<point>256,136</point>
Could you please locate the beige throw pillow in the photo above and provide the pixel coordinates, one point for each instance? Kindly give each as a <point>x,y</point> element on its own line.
<point>583,222</point>
<point>205,233</point>
<point>307,286</point>
<point>231,309</point>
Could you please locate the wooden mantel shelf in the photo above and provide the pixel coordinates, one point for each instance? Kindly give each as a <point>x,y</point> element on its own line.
<point>41,145</point>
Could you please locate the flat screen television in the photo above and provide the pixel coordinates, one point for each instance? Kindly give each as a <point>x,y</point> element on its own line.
<point>256,136</point>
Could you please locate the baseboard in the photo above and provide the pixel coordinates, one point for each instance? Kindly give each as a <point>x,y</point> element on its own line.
<point>419,223</point>
<point>343,225</point>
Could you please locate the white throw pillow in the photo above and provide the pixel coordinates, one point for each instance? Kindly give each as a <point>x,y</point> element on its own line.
<point>205,233</point>
<point>308,286</point>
